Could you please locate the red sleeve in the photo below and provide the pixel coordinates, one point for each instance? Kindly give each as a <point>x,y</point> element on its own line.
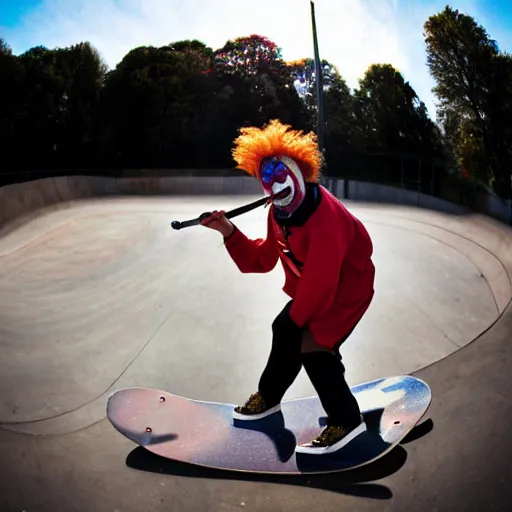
<point>253,256</point>
<point>320,276</point>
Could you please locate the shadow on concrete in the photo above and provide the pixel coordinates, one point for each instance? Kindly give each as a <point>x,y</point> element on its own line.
<point>418,431</point>
<point>352,483</point>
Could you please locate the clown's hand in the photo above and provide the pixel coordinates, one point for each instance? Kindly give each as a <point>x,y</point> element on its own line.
<point>219,222</point>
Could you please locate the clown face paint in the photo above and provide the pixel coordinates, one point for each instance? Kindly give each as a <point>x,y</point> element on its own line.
<point>281,178</point>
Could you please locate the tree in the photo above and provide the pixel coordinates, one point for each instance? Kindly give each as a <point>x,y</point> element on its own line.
<point>11,101</point>
<point>261,81</point>
<point>42,115</point>
<point>390,115</point>
<point>304,76</point>
<point>474,81</point>
<point>152,101</point>
<point>83,72</point>
<point>51,100</point>
<point>341,129</point>
<point>182,104</point>
<point>248,56</point>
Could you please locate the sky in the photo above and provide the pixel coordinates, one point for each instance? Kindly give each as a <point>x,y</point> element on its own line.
<point>352,34</point>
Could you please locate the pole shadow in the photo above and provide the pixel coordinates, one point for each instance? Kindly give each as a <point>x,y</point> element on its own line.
<point>353,482</point>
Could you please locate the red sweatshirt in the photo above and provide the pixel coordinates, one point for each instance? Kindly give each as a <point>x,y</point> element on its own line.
<point>334,286</point>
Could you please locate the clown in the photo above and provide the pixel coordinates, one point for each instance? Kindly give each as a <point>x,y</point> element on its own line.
<point>329,276</point>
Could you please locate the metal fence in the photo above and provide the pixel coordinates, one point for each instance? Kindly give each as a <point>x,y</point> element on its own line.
<point>406,173</point>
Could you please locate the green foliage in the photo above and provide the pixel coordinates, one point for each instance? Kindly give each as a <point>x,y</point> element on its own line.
<point>474,87</point>
<point>181,105</point>
<point>390,115</point>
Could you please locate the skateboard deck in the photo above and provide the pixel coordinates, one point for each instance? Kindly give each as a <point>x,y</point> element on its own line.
<point>205,433</point>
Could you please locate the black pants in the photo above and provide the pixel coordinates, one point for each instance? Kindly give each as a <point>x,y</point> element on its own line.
<point>324,369</point>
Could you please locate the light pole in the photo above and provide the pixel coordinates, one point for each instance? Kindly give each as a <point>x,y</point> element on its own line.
<point>318,83</point>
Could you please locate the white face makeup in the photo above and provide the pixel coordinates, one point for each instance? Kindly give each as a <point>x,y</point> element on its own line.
<point>281,187</point>
<point>282,179</point>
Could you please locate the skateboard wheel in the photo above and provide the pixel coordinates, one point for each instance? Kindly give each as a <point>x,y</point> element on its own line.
<point>149,429</point>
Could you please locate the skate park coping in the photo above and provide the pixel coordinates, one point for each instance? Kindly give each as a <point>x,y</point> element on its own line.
<point>20,199</point>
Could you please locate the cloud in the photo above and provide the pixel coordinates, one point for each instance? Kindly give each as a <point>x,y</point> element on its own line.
<point>352,34</point>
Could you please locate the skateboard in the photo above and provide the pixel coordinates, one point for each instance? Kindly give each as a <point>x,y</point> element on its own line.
<point>205,433</point>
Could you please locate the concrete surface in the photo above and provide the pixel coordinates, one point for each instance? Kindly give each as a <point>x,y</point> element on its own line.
<point>462,462</point>
<point>101,294</point>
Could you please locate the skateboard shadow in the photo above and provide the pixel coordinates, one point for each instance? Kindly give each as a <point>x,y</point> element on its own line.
<point>420,430</point>
<point>352,483</point>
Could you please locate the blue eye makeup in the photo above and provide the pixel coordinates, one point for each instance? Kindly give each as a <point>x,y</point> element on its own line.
<point>272,169</point>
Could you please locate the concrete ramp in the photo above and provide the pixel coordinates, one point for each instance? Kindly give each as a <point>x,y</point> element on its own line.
<point>97,293</point>
<point>102,294</point>
<point>21,201</point>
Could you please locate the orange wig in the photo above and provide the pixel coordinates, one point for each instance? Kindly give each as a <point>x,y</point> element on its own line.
<point>277,139</point>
